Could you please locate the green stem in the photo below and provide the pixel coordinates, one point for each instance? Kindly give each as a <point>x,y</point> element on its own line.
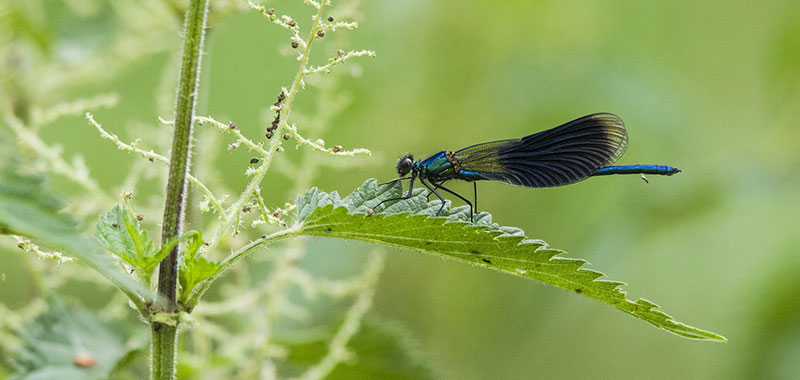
<point>165,342</point>
<point>198,292</point>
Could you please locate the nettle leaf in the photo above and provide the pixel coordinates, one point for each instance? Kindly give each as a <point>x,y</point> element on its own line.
<point>121,234</point>
<point>410,224</point>
<point>194,269</point>
<point>193,247</point>
<point>66,343</point>
<point>165,249</point>
<point>30,209</point>
<point>381,350</point>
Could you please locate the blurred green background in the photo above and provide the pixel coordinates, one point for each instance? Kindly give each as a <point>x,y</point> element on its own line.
<point>712,88</point>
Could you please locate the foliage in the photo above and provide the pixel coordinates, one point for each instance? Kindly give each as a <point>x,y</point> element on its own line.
<point>67,343</point>
<point>27,208</point>
<point>410,223</point>
<point>120,233</point>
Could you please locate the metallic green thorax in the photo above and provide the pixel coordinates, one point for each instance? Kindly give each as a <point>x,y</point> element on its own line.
<point>439,167</point>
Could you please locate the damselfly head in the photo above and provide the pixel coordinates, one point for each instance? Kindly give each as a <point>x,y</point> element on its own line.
<point>404,164</point>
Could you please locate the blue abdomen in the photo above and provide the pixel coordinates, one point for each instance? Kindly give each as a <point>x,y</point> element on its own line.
<point>637,169</point>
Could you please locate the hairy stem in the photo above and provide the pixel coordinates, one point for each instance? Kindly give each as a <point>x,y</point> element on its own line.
<point>165,342</point>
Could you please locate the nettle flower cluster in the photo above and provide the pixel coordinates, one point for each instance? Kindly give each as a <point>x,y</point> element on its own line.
<point>231,214</point>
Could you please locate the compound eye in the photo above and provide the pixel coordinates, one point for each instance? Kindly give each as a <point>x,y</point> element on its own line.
<point>404,165</point>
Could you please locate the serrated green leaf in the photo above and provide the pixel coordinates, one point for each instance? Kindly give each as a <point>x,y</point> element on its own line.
<point>381,351</point>
<point>121,234</point>
<point>195,239</point>
<point>195,242</point>
<point>194,272</point>
<point>66,343</point>
<point>29,209</point>
<point>194,269</point>
<point>410,224</point>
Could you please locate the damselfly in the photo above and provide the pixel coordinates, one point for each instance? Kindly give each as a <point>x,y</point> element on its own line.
<point>559,156</point>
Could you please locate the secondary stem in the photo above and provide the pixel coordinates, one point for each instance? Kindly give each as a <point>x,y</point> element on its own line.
<point>165,342</point>
<point>259,174</point>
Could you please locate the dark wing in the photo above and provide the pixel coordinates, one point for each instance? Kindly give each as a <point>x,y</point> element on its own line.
<point>559,156</point>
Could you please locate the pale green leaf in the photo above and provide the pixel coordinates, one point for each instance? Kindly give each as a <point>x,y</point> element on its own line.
<point>66,343</point>
<point>194,269</point>
<point>195,242</point>
<point>121,234</point>
<point>29,209</point>
<point>410,224</point>
<point>194,272</point>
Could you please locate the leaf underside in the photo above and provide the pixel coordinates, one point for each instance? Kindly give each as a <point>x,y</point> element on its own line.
<point>411,223</point>
<point>31,209</point>
<point>66,343</point>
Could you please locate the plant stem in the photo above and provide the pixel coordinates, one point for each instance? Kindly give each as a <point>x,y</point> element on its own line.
<point>165,342</point>
<point>198,292</point>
